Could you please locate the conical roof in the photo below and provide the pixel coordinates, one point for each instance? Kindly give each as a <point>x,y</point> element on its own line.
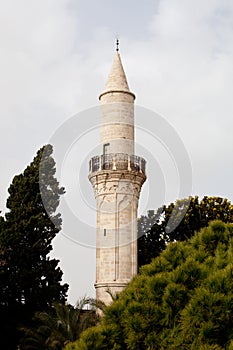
<point>117,81</point>
<point>117,78</point>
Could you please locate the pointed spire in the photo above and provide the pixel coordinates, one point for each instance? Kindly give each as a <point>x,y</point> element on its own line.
<point>117,81</point>
<point>117,78</point>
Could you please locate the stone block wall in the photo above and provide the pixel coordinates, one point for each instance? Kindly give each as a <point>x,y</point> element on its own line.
<point>117,194</point>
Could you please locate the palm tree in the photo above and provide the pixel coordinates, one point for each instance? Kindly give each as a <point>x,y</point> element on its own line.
<point>63,324</point>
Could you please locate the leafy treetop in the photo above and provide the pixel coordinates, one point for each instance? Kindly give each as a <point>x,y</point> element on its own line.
<point>178,222</point>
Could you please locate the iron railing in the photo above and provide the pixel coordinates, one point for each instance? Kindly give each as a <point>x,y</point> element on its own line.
<point>117,161</point>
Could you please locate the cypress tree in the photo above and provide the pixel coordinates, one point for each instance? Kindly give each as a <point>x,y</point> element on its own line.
<point>30,279</point>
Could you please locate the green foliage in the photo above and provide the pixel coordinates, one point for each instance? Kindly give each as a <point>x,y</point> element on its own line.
<point>182,300</point>
<point>178,222</point>
<point>61,325</point>
<point>30,281</point>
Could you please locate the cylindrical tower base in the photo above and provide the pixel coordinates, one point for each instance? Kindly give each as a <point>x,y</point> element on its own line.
<point>117,193</point>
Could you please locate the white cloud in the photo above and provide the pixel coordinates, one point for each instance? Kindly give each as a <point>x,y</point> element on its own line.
<point>186,68</point>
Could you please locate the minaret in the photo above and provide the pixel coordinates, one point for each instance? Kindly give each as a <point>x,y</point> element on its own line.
<point>117,176</point>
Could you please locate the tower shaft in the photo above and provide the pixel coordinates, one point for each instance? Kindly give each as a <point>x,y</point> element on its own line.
<point>117,176</point>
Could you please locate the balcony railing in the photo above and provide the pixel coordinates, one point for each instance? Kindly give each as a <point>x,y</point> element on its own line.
<point>117,161</point>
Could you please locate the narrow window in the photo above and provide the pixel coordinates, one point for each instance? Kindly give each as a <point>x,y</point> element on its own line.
<point>106,151</point>
<point>105,232</point>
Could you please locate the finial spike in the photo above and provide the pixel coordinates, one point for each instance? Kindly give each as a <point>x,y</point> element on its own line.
<point>117,45</point>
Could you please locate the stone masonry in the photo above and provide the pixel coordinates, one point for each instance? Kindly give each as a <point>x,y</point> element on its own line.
<point>117,177</point>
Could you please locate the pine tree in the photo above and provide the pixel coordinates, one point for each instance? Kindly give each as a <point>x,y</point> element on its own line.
<point>182,300</point>
<point>30,280</point>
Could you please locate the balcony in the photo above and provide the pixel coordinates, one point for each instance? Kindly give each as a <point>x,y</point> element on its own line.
<point>117,161</point>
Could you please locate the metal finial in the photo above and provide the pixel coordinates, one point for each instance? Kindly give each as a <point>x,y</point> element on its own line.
<point>117,45</point>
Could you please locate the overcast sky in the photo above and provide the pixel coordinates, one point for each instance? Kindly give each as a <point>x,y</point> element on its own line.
<point>55,58</point>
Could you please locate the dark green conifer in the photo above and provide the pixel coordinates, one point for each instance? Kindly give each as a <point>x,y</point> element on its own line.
<point>30,280</point>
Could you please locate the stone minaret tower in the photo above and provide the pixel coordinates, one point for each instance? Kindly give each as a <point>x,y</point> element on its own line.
<point>117,176</point>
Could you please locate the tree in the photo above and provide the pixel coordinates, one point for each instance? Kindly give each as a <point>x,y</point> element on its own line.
<point>30,280</point>
<point>182,300</point>
<point>59,326</point>
<point>177,222</point>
